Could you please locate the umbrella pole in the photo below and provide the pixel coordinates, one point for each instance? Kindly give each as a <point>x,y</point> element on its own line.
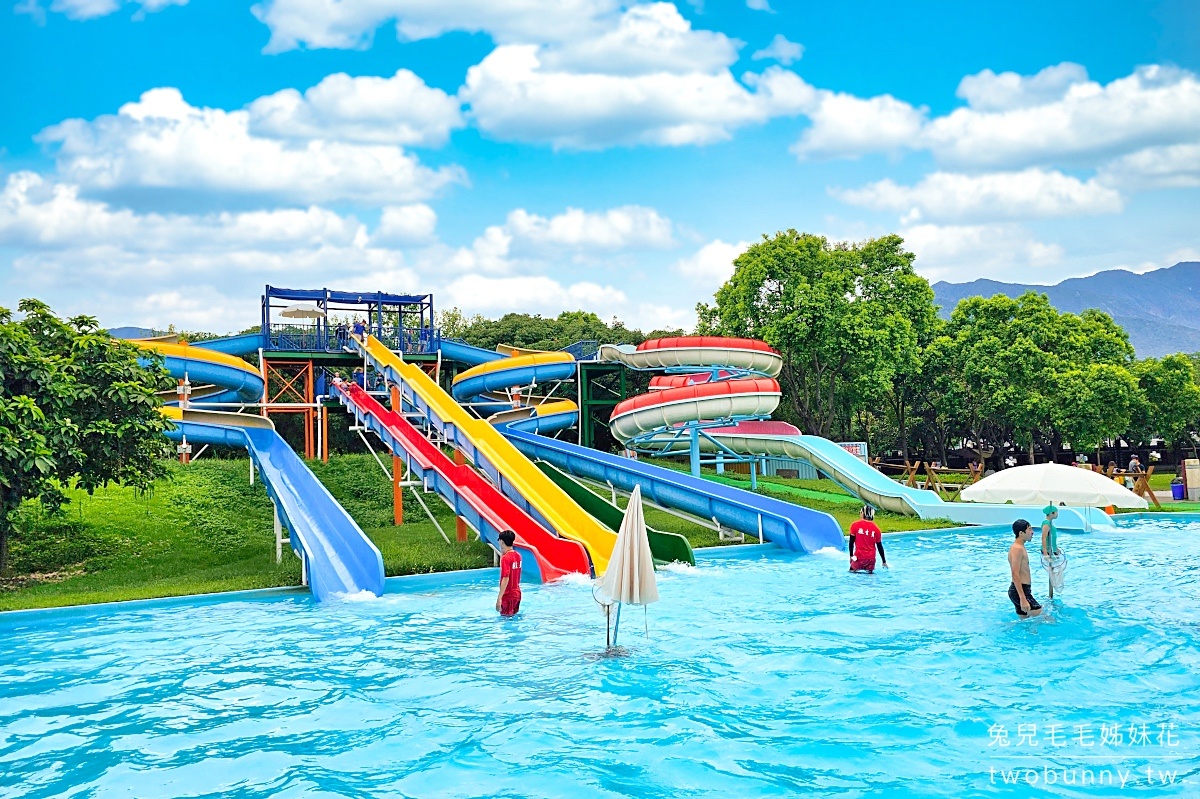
<point>617,626</point>
<point>607,626</point>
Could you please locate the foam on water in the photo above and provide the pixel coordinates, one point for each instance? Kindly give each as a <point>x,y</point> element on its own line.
<point>775,675</point>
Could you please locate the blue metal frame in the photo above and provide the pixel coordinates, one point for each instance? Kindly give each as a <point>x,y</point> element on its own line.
<point>386,314</point>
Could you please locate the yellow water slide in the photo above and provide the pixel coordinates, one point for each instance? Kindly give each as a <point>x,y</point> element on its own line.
<point>543,496</point>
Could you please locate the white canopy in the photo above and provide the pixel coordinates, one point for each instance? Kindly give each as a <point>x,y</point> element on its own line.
<point>1052,484</point>
<point>630,575</point>
<point>302,312</point>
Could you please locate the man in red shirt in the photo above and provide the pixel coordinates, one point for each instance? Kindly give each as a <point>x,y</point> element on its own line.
<point>509,600</point>
<point>865,538</point>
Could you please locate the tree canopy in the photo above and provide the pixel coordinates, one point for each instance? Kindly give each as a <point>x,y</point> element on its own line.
<point>866,356</point>
<point>538,332</point>
<point>847,318</point>
<point>75,406</point>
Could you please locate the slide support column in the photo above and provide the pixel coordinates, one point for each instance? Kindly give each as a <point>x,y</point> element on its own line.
<point>397,465</point>
<point>695,451</point>
<point>460,524</point>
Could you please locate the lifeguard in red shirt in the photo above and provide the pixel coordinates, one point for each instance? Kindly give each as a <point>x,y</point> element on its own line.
<point>865,538</point>
<point>509,600</point>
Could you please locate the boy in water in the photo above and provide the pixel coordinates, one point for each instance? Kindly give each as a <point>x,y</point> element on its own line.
<point>1019,590</point>
<point>865,538</point>
<point>509,600</point>
<point>1049,532</point>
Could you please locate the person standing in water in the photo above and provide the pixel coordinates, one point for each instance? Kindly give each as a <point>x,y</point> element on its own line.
<point>1020,590</point>
<point>1050,533</point>
<point>508,602</point>
<point>865,538</point>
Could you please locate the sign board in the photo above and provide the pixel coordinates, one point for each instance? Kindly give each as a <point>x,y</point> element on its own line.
<point>859,450</point>
<point>1191,476</point>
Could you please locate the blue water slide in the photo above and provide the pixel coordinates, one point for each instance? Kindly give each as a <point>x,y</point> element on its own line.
<point>468,388</point>
<point>339,558</point>
<point>462,352</point>
<point>240,345</point>
<point>239,384</point>
<point>873,486</point>
<point>782,523</point>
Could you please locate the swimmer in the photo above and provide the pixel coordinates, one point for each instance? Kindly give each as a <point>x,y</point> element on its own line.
<point>1020,589</point>
<point>865,538</point>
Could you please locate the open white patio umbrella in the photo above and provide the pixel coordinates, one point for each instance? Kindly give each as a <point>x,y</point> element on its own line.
<point>302,312</point>
<point>1052,484</point>
<point>630,576</point>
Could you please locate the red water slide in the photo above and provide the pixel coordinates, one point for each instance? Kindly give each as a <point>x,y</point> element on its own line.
<point>461,485</point>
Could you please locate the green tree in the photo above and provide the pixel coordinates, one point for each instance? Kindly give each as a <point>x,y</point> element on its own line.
<point>1171,406</point>
<point>1022,372</point>
<point>75,405</point>
<point>847,319</point>
<point>536,332</point>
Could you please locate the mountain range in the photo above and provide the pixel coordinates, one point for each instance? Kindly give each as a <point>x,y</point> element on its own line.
<point>1159,309</point>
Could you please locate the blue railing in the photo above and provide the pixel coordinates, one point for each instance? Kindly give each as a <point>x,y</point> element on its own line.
<point>319,338</point>
<point>583,350</point>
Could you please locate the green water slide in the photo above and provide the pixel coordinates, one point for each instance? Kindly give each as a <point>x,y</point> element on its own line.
<point>665,547</point>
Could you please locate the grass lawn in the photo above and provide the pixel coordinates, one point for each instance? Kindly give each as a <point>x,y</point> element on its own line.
<point>206,529</point>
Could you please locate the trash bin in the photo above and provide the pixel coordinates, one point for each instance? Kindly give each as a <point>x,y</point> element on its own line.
<point>1178,491</point>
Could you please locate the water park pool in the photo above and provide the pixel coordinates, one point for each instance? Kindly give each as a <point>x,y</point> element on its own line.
<point>765,673</point>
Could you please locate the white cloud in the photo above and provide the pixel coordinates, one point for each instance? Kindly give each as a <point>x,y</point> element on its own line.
<point>845,126</point>
<point>399,110</point>
<point>203,270</point>
<point>647,39</point>
<point>759,5</point>
<point>712,264</point>
<point>947,196</point>
<point>1054,118</point>
<point>987,91</point>
<point>513,97</point>
<point>1154,106</point>
<point>617,228</point>
<point>405,224</point>
<point>337,24</point>
<point>966,252</point>
<point>81,10</point>
<point>1174,166</point>
<point>162,142</point>
<point>532,294</point>
<point>781,50</point>
<point>41,215</point>
<point>525,239</point>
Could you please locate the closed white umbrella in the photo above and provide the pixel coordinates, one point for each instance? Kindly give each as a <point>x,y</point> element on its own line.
<point>1052,484</point>
<point>302,312</point>
<point>630,576</point>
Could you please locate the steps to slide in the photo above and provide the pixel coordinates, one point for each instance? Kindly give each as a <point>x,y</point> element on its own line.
<point>513,473</point>
<point>338,557</point>
<point>545,557</point>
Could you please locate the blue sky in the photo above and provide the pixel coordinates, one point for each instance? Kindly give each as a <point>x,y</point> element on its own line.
<point>162,160</point>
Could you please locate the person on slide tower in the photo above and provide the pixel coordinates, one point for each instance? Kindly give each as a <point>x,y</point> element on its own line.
<point>509,600</point>
<point>865,538</point>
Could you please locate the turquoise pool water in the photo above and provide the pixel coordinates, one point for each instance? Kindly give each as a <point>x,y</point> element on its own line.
<point>765,675</point>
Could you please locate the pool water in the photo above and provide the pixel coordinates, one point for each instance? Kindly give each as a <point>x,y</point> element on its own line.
<point>766,674</point>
